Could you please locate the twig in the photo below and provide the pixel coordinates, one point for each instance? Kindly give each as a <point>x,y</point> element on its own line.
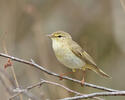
<point>33,64</point>
<point>57,84</point>
<point>12,67</point>
<point>19,91</point>
<point>72,91</point>
<point>14,95</point>
<point>28,94</point>
<point>6,87</point>
<point>6,82</point>
<point>116,93</point>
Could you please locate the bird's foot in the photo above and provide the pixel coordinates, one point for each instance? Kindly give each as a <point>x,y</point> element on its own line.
<point>64,74</point>
<point>82,82</point>
<point>60,76</point>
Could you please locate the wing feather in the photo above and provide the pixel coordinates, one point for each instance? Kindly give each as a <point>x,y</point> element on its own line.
<point>82,54</point>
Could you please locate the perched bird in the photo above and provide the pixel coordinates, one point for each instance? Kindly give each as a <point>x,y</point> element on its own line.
<point>69,53</point>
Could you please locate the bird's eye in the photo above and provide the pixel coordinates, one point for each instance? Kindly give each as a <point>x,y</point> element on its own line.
<point>59,36</point>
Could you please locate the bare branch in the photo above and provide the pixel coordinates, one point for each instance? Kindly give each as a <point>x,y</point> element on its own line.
<point>72,91</point>
<point>28,94</point>
<point>57,84</point>
<point>14,96</point>
<point>9,63</point>
<point>25,91</point>
<point>116,93</point>
<point>6,82</point>
<point>33,64</point>
<point>19,91</point>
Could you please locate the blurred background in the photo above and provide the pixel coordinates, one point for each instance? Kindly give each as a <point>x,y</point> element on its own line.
<point>97,25</point>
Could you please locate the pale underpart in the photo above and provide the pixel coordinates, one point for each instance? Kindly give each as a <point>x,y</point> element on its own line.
<point>66,56</point>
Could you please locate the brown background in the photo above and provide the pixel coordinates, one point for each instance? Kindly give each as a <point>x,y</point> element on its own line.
<point>97,25</point>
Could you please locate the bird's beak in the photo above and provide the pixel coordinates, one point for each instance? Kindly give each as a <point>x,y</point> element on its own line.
<point>49,35</point>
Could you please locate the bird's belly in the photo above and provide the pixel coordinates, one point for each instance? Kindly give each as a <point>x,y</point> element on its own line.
<point>70,60</point>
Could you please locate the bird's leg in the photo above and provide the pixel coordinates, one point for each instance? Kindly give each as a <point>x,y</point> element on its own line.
<point>82,81</point>
<point>61,75</point>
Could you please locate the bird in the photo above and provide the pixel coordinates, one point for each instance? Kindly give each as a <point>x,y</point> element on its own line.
<point>71,54</point>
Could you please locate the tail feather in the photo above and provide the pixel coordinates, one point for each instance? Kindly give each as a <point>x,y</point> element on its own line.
<point>98,71</point>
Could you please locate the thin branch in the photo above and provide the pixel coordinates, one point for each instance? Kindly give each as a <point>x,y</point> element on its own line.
<point>19,91</point>
<point>28,94</point>
<point>5,86</point>
<point>33,64</point>
<point>57,84</point>
<point>12,67</point>
<point>26,91</point>
<point>6,82</point>
<point>15,95</point>
<point>69,90</point>
<point>32,96</point>
<point>116,93</point>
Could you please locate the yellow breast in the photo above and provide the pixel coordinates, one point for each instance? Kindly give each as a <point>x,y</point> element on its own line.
<point>66,56</point>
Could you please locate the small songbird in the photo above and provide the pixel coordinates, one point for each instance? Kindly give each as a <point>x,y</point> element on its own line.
<point>69,53</point>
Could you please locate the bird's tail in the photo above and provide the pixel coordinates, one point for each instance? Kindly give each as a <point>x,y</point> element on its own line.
<point>98,71</point>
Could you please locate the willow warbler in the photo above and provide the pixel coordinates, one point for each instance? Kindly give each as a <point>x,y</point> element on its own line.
<point>69,53</point>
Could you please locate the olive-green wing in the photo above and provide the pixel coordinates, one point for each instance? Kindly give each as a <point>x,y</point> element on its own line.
<point>89,58</point>
<point>79,52</point>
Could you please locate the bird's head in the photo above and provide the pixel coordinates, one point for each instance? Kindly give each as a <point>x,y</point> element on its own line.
<point>60,36</point>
